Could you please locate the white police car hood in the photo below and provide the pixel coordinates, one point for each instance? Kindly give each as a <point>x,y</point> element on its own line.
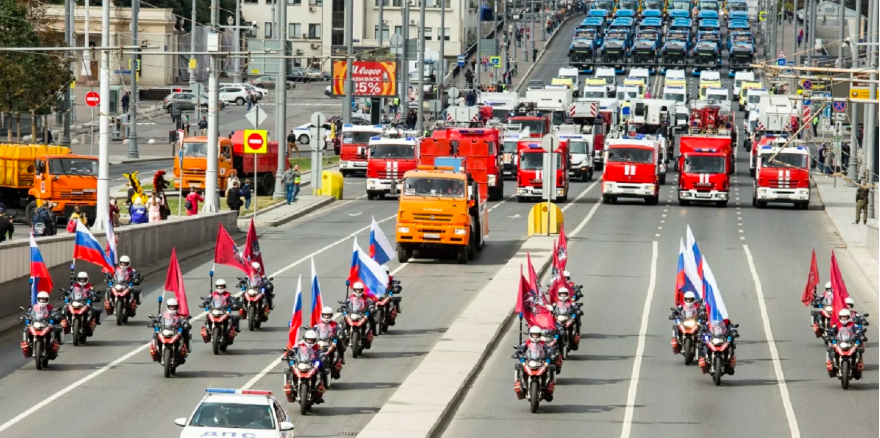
<point>208,432</point>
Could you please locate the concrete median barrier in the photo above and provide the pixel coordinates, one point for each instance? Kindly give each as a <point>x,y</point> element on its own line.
<point>430,395</point>
<point>148,245</point>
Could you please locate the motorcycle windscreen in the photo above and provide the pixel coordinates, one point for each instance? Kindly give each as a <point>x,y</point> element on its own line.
<point>40,312</point>
<point>357,304</point>
<point>120,276</point>
<point>218,302</point>
<point>535,351</point>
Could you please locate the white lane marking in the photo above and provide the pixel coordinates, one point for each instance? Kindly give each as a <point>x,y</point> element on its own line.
<point>341,204</point>
<point>774,354</point>
<point>640,349</point>
<point>586,219</point>
<point>105,368</point>
<point>742,238</point>
<point>581,195</point>
<point>656,235</point>
<point>502,202</point>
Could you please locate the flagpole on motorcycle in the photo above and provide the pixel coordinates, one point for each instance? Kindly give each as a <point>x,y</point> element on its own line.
<point>520,327</point>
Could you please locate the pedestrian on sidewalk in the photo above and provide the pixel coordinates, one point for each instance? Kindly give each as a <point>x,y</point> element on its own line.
<point>192,202</point>
<point>77,215</point>
<point>800,37</point>
<point>829,161</point>
<point>44,216</point>
<point>291,144</point>
<point>126,99</point>
<point>203,126</point>
<point>138,212</point>
<point>233,198</point>
<point>186,126</point>
<point>246,194</point>
<point>114,212</point>
<point>816,126</point>
<point>6,226</point>
<point>154,206</point>
<point>862,194</point>
<point>844,156</point>
<point>820,163</point>
<point>287,180</point>
<point>297,179</point>
<point>535,55</point>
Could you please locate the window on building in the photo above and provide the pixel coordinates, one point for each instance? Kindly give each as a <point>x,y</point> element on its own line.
<point>316,2</point>
<point>267,29</point>
<point>294,30</point>
<point>444,34</point>
<point>315,31</point>
<point>251,32</point>
<point>385,35</point>
<point>398,30</point>
<point>387,3</point>
<point>428,32</point>
<point>294,2</point>
<point>297,62</point>
<point>396,3</point>
<point>250,1</point>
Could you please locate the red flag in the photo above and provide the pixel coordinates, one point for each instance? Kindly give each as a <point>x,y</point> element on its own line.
<point>839,290</point>
<point>812,281</point>
<point>523,290</point>
<point>174,283</point>
<point>227,253</point>
<point>531,306</point>
<point>252,247</point>
<point>562,248</point>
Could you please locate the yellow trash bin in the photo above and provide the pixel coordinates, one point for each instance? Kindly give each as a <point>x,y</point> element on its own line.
<point>538,219</point>
<point>331,184</point>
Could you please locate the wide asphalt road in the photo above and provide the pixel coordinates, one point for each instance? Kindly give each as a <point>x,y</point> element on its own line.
<point>114,376</point>
<point>625,381</point>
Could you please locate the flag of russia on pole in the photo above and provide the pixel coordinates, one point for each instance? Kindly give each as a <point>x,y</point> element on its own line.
<point>714,303</point>
<point>367,271</point>
<point>112,253</point>
<point>297,319</point>
<point>317,301</point>
<point>42,281</point>
<point>380,249</point>
<point>693,265</point>
<point>86,247</point>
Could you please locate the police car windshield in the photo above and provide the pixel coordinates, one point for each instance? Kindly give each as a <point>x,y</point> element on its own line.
<point>785,160</point>
<point>533,161</point>
<point>704,165</point>
<point>73,166</point>
<point>443,187</point>
<point>233,416</point>
<point>195,149</point>
<point>392,151</point>
<point>357,137</point>
<point>630,155</point>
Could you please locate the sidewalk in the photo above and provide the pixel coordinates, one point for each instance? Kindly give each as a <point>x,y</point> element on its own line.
<point>860,240</point>
<point>281,213</point>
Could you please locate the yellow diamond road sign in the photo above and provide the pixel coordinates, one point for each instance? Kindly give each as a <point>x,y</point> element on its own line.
<point>255,141</point>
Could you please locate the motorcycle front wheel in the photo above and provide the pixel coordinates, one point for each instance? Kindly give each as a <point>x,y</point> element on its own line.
<point>534,389</point>
<point>304,395</point>
<point>563,347</point>
<point>166,361</point>
<point>39,346</point>
<point>844,374</point>
<point>216,339</point>
<point>688,350</point>
<point>77,331</point>
<point>355,343</point>
<point>383,323</point>
<point>719,370</point>
<point>120,311</point>
<point>252,317</point>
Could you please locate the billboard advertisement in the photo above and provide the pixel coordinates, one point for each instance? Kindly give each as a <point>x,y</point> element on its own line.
<point>371,78</point>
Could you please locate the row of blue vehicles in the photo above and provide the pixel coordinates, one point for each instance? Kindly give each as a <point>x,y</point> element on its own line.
<point>661,38</point>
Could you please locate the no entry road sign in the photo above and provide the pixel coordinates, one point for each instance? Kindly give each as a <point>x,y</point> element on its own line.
<point>93,99</point>
<point>255,141</point>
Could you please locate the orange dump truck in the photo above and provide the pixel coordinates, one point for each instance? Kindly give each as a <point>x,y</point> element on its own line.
<point>32,175</point>
<point>231,160</point>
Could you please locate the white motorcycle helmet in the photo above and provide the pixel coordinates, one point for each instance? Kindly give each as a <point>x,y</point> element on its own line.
<point>124,261</point>
<point>82,278</point>
<point>220,284</point>
<point>828,287</point>
<point>563,291</point>
<point>689,297</point>
<point>327,314</point>
<point>849,302</point>
<point>844,316</point>
<point>256,267</point>
<point>535,333</point>
<point>172,305</point>
<point>43,297</point>
<point>567,275</point>
<point>311,337</point>
<point>358,288</point>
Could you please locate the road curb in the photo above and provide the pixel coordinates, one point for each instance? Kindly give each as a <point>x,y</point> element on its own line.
<point>296,215</point>
<point>142,160</point>
<point>541,53</point>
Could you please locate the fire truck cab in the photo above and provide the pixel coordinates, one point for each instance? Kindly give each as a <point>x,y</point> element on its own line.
<point>632,170</point>
<point>354,148</point>
<point>580,147</point>
<point>388,159</point>
<point>782,175</point>
<point>704,170</point>
<point>530,168</point>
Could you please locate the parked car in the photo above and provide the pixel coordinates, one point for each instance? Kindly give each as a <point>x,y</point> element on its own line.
<point>268,82</point>
<point>233,94</point>
<point>298,74</point>
<point>187,101</point>
<point>318,75</point>
<point>259,92</point>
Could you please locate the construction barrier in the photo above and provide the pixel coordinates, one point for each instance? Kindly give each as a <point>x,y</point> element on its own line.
<point>538,219</point>
<point>331,184</point>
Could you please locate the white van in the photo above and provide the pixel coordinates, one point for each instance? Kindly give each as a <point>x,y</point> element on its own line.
<point>571,73</point>
<point>739,78</point>
<point>709,76</point>
<point>610,78</point>
<point>641,73</point>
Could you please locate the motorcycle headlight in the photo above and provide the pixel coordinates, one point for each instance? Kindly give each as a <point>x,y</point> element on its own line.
<point>689,323</point>
<point>167,332</point>
<point>304,366</point>
<point>323,343</point>
<point>534,364</point>
<point>252,292</point>
<point>217,312</point>
<point>717,341</point>
<point>355,316</point>
<point>39,325</point>
<point>119,287</point>
<point>562,318</point>
<point>77,304</point>
<point>842,344</point>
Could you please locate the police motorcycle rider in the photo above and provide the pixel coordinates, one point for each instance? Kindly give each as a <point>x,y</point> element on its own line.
<point>332,327</point>
<point>82,283</point>
<point>221,291</point>
<point>309,342</point>
<point>357,290</point>
<point>258,279</point>
<point>705,337</point>
<point>54,314</point>
<point>131,275</point>
<point>171,312</point>
<point>847,324</point>
<point>536,337</point>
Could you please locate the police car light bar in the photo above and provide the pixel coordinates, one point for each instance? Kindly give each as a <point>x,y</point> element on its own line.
<point>236,391</point>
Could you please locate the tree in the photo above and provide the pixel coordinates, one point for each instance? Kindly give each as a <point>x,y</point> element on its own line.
<point>30,81</point>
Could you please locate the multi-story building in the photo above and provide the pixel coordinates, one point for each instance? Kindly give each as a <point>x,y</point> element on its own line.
<point>316,27</point>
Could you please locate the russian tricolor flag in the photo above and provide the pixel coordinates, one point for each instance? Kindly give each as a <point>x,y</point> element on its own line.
<point>42,281</point>
<point>681,283</point>
<point>380,249</point>
<point>367,271</point>
<point>112,253</point>
<point>714,303</point>
<point>87,248</point>
<point>297,319</point>
<point>693,265</point>
<point>317,301</point>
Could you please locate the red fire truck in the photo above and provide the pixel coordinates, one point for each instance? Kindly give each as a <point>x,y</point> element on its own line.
<point>782,175</point>
<point>529,171</point>
<point>388,159</point>
<point>530,120</point>
<point>353,151</point>
<point>704,166</point>
<point>488,155</point>
<point>632,170</point>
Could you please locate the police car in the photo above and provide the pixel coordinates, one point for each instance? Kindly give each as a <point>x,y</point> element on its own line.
<point>237,414</point>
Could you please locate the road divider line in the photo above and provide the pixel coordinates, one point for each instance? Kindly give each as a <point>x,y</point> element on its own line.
<point>586,219</point>
<point>502,202</point>
<point>581,195</point>
<point>774,353</point>
<point>143,347</point>
<point>640,349</point>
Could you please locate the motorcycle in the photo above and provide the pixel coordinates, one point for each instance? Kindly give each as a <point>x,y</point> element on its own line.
<point>40,340</point>
<point>79,313</point>
<point>327,342</point>
<point>822,317</point>
<point>119,296</point>
<point>567,325</point>
<point>688,322</point>
<point>168,346</point>
<point>357,327</point>
<point>256,310</point>
<point>846,355</point>
<point>535,379</point>
<point>219,329</point>
<point>386,310</point>
<point>720,358</point>
<point>302,379</point>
